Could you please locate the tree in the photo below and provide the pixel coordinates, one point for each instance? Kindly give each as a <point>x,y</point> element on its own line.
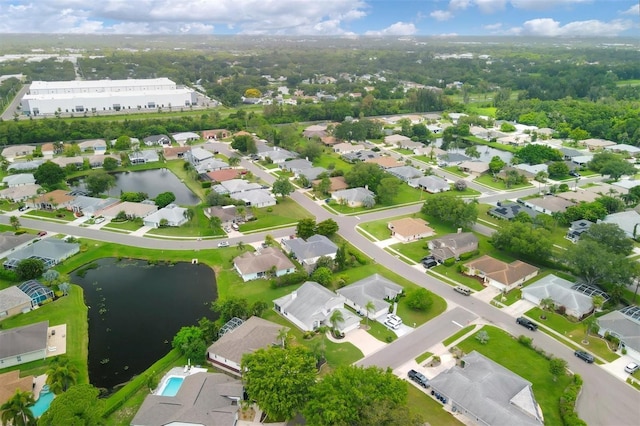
<point>370,307</point>
<point>364,175</point>
<point>164,222</point>
<point>49,174</point>
<point>611,204</point>
<point>547,304</point>
<point>616,168</point>
<point>419,299</point>
<point>190,342</point>
<point>387,190</point>
<point>537,154</point>
<point>15,222</point>
<point>461,185</point>
<point>252,93</point>
<point>311,150</point>
<point>78,406</point>
<point>557,367</point>
<point>16,411</point>
<point>164,199</point>
<point>524,239</point>
<point>282,186</point>
<point>123,143</point>
<point>327,227</point>
<point>279,379</point>
<point>597,264</point>
<point>234,161</point>
<point>322,275</point>
<point>496,164</point>
<point>110,164</point>
<point>324,186</point>
<point>189,214</point>
<point>325,262</point>
<point>230,308</point>
<point>598,302</point>
<point>50,276</point>
<point>258,307</point>
<point>99,182</point>
<point>558,169</point>
<point>483,337</point>
<point>341,258</point>
<point>29,269</point>
<point>215,222</point>
<point>210,329</point>
<point>245,144</point>
<point>336,319</point>
<point>472,151</point>
<point>64,288</point>
<point>306,227</point>
<point>335,400</point>
<point>452,210</point>
<point>611,236</point>
<point>61,375</point>
<point>283,334</point>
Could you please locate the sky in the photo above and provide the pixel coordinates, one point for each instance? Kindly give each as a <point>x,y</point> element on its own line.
<point>546,18</point>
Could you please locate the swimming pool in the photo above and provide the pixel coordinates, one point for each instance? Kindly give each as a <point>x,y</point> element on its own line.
<point>43,403</point>
<point>172,386</point>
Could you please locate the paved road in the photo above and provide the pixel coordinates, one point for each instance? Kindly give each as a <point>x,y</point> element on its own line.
<point>13,106</point>
<point>413,344</point>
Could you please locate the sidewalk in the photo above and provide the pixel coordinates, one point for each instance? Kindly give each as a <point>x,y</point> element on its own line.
<point>361,340</point>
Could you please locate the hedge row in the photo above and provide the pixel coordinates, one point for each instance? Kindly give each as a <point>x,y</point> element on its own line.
<point>568,403</point>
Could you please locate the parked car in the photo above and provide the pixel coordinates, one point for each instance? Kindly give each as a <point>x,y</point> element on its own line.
<point>585,356</point>
<point>42,233</point>
<point>394,325</point>
<point>631,368</point>
<point>419,378</point>
<point>574,173</point>
<point>99,220</point>
<point>429,262</point>
<point>527,323</point>
<point>23,208</point>
<point>462,290</point>
<point>223,244</point>
<point>394,318</point>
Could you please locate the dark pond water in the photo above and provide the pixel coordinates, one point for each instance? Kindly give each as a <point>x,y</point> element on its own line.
<point>135,309</point>
<point>151,182</point>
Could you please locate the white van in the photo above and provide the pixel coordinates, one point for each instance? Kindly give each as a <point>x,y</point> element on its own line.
<point>462,290</point>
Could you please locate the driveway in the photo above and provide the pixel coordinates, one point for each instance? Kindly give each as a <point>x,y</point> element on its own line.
<point>364,341</point>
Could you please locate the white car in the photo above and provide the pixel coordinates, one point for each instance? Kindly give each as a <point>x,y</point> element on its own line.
<point>223,244</point>
<point>631,368</point>
<point>394,325</point>
<point>394,318</point>
<point>99,220</point>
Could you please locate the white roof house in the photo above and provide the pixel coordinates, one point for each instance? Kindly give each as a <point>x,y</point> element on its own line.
<point>432,184</point>
<point>20,193</point>
<point>405,173</point>
<point>233,186</point>
<point>624,324</point>
<point>258,198</point>
<point>311,306</point>
<point>308,252</point>
<point>559,290</point>
<point>18,180</point>
<point>96,145</point>
<point>375,289</point>
<point>197,155</point>
<point>50,250</point>
<point>174,215</point>
<point>354,197</point>
<point>23,344</point>
<point>14,151</point>
<point>13,301</point>
<point>185,137</point>
<point>488,393</point>
<point>628,221</point>
<point>91,206</point>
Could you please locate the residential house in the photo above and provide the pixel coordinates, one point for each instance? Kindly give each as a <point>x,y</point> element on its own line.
<point>548,204</point>
<point>315,130</point>
<point>98,146</point>
<point>474,168</point>
<point>12,152</point>
<point>97,160</point>
<point>308,252</point>
<point>569,154</point>
<point>255,333</point>
<point>509,210</point>
<point>226,214</point>
<point>19,194</point>
<point>24,166</point>
<point>411,145</point>
<point>233,186</point>
<point>143,157</point>
<point>405,173</point>
<point>578,196</point>
<point>486,393</point>
<point>48,150</point>
<point>208,165</point>
<point>10,242</point>
<point>154,140</point>
<point>13,301</point>
<point>501,275</point>
<point>76,161</point>
<point>628,221</point>
<point>625,325</point>
<point>597,144</point>
<point>577,228</point>
<point>452,159</point>
<point>263,264</point>
<point>453,245</point>
<point>294,166</point>
<point>310,307</point>
<point>10,382</point>
<point>54,200</point>
<point>311,173</point>
<point>410,229</point>
<point>374,289</point>
<point>175,152</point>
<point>575,303</point>
<point>430,151</point>
<point>224,175</point>
<point>395,140</point>
<point>257,198</point>
<point>385,161</point>
<point>23,344</point>
<point>455,116</point>
<point>204,399</point>
<point>623,148</point>
<point>173,214</point>
<point>354,197</point>
<point>197,155</point>
<point>433,184</point>
<point>20,179</point>
<point>131,210</point>
<point>275,154</point>
<point>184,138</point>
<point>623,186</point>
<point>50,251</point>
<point>91,206</point>
<point>216,134</point>
<point>582,160</point>
<point>531,170</point>
<point>337,183</point>
<point>37,292</point>
<point>345,147</point>
<point>517,139</point>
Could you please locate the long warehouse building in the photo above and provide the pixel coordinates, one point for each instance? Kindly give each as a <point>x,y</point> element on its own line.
<point>49,97</point>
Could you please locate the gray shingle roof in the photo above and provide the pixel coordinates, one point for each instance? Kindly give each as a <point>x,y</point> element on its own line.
<point>489,392</point>
<point>263,261</point>
<point>374,288</point>
<point>11,297</point>
<point>22,340</point>
<point>315,246</point>
<point>624,326</point>
<point>559,290</point>
<point>310,302</point>
<point>405,172</point>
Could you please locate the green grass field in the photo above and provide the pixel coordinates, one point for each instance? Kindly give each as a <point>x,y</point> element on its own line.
<point>488,180</point>
<point>286,213</point>
<point>449,340</point>
<point>430,410</point>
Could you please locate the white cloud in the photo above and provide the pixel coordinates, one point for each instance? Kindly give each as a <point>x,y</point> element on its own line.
<point>547,27</point>
<point>397,29</point>
<point>459,4</point>
<point>544,4</point>
<point>441,15</point>
<point>491,6</point>
<point>633,10</point>
<point>493,27</point>
<point>181,16</point>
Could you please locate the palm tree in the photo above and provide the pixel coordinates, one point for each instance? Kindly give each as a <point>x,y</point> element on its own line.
<point>336,319</point>
<point>61,375</point>
<point>283,333</point>
<point>547,304</point>
<point>15,222</point>
<point>240,245</point>
<point>189,213</point>
<point>16,410</point>
<point>234,161</point>
<point>370,307</point>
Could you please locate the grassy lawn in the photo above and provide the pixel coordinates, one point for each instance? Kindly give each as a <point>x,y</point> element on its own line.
<point>425,356</point>
<point>512,297</point>
<point>287,212</point>
<point>449,340</point>
<point>452,273</point>
<point>483,210</point>
<point>488,180</point>
<point>69,310</point>
<point>380,332</point>
<point>455,171</point>
<point>403,151</point>
<point>378,228</point>
<point>574,331</point>
<point>425,159</point>
<point>332,161</point>
<point>430,410</point>
<point>405,195</point>
<point>198,226</point>
<point>496,145</point>
<point>414,250</point>
<point>58,215</point>
<point>506,351</point>
<point>128,225</point>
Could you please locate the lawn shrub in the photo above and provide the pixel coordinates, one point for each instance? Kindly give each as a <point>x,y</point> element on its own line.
<point>289,279</point>
<point>568,403</point>
<point>206,185</point>
<point>525,341</point>
<point>449,262</point>
<point>469,255</point>
<point>8,275</point>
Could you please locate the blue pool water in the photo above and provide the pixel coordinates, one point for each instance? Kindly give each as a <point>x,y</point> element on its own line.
<point>172,386</point>
<point>42,404</point>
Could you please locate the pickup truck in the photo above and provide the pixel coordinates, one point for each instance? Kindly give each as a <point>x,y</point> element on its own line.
<point>419,378</point>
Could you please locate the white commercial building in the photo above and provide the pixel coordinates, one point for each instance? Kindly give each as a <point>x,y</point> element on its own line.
<point>47,97</point>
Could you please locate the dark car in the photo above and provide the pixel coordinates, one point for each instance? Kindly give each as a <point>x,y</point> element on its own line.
<point>574,173</point>
<point>585,356</point>
<point>527,323</point>
<point>419,378</point>
<point>429,263</point>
